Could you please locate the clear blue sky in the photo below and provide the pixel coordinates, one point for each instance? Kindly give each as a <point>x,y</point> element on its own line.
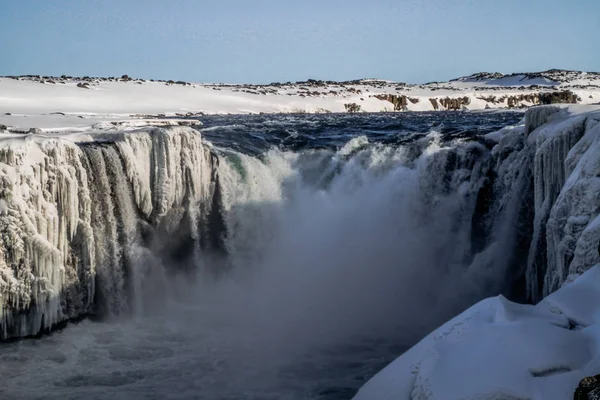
<point>261,41</point>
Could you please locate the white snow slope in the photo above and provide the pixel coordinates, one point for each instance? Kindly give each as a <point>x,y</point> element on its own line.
<point>498,349</point>
<point>29,101</point>
<point>501,350</point>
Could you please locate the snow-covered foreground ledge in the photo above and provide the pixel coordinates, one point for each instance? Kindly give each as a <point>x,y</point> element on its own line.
<point>502,350</point>
<point>498,349</point>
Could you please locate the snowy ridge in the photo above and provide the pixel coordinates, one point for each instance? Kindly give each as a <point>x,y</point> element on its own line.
<point>513,351</point>
<point>69,216</point>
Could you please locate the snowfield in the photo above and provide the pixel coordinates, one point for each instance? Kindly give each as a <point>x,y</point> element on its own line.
<point>67,102</point>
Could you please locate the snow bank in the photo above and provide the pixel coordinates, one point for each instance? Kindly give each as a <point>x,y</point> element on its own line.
<point>502,350</point>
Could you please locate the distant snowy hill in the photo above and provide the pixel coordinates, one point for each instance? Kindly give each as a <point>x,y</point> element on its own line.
<point>87,100</point>
<point>553,77</point>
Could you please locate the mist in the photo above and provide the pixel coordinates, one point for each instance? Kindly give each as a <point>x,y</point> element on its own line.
<point>325,248</point>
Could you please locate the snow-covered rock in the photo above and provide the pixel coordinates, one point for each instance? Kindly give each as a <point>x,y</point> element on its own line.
<point>502,350</point>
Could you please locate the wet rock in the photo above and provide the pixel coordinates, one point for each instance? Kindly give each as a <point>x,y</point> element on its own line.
<point>83,85</point>
<point>588,389</point>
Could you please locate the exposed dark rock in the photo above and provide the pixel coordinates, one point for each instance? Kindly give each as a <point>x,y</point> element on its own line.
<point>352,107</point>
<point>83,85</point>
<point>456,103</point>
<point>400,102</point>
<point>588,389</point>
<point>513,101</point>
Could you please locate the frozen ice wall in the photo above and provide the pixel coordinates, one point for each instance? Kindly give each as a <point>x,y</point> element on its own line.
<point>75,217</point>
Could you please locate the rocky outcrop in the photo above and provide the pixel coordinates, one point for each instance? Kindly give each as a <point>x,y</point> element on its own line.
<point>400,102</point>
<point>450,103</point>
<point>456,103</point>
<point>352,107</point>
<point>533,99</point>
<point>588,389</point>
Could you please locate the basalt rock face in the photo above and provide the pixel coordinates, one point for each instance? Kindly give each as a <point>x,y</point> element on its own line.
<point>400,102</point>
<point>450,103</point>
<point>352,107</point>
<point>533,99</point>
<point>588,389</point>
<point>456,103</point>
<point>76,220</point>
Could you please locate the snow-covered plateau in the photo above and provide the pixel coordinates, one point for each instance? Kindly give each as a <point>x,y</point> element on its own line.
<point>59,102</point>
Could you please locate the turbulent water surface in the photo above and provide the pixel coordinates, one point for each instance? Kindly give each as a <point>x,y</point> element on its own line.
<point>345,239</point>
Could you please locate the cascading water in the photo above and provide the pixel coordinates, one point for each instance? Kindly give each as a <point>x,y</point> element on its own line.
<point>288,264</point>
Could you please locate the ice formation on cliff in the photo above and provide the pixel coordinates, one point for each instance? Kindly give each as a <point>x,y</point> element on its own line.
<point>71,216</point>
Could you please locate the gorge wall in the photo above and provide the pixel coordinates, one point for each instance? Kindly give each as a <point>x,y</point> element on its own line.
<point>73,218</point>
